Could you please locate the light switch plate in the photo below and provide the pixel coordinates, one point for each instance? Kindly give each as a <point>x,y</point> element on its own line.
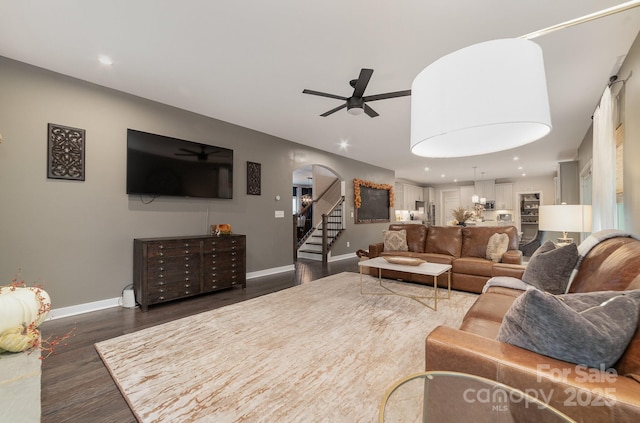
<point>279,213</point>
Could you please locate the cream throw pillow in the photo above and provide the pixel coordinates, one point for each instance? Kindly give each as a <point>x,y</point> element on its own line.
<point>497,246</point>
<point>395,240</point>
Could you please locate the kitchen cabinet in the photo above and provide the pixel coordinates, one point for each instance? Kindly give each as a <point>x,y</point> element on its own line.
<point>504,196</point>
<point>407,195</point>
<point>486,188</point>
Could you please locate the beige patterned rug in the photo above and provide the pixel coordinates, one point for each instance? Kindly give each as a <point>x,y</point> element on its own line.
<point>318,352</point>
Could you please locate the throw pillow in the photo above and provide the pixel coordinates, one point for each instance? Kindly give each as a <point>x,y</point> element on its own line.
<point>594,334</point>
<point>395,240</point>
<point>497,246</point>
<point>549,268</point>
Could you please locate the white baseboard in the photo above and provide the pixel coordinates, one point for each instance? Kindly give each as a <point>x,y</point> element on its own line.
<point>61,312</point>
<point>341,257</point>
<point>58,313</point>
<point>272,271</point>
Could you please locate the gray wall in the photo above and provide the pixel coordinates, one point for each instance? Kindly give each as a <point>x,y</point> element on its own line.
<point>75,238</point>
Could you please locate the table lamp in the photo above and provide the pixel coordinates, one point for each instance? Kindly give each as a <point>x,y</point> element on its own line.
<point>565,218</point>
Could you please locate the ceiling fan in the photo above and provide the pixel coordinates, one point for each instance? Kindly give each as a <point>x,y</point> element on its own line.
<point>202,155</point>
<point>356,104</point>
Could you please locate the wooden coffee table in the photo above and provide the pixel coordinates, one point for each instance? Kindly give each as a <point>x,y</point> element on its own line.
<point>429,269</point>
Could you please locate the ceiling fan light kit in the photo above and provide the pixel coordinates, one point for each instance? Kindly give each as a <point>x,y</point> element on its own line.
<point>481,99</point>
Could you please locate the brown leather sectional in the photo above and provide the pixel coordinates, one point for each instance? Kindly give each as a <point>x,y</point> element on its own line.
<point>462,247</point>
<point>584,394</point>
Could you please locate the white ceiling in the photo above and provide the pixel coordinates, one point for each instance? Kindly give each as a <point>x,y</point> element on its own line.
<point>247,62</point>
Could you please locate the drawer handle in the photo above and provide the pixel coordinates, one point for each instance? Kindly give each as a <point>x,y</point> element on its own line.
<point>186,265</point>
<point>160,283</point>
<point>234,253</point>
<point>187,258</point>
<point>187,285</point>
<point>161,290</point>
<point>187,292</point>
<point>161,276</point>
<point>161,246</point>
<point>214,286</point>
<point>187,279</point>
<point>213,275</point>
<point>161,254</point>
<point>160,298</point>
<point>186,251</point>
<point>161,261</point>
<point>162,269</point>
<point>186,245</point>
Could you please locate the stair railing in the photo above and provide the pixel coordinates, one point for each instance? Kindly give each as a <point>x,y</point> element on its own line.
<point>296,216</point>
<point>333,215</point>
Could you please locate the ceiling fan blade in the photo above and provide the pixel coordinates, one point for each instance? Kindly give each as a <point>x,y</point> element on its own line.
<point>361,83</point>
<point>188,151</point>
<point>325,114</point>
<point>387,95</point>
<point>321,94</point>
<point>368,110</point>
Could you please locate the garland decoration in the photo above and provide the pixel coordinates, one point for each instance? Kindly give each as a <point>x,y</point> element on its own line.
<point>357,183</point>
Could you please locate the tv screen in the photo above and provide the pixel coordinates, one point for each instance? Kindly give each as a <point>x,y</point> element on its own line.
<point>159,165</point>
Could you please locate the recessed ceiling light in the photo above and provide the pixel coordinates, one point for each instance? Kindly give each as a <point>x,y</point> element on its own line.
<point>344,144</point>
<point>516,158</point>
<point>455,180</point>
<point>105,60</point>
<point>426,169</point>
<point>519,167</point>
<point>524,174</point>
<point>442,176</point>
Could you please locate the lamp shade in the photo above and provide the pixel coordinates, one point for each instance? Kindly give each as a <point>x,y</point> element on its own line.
<point>481,99</point>
<point>565,218</point>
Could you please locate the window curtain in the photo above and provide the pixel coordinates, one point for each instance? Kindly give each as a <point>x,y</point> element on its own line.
<point>604,165</point>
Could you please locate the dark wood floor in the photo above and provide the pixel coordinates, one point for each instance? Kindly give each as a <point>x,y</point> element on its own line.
<point>76,386</point>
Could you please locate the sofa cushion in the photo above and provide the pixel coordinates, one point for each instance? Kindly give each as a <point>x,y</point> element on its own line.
<point>475,239</point>
<point>416,235</point>
<point>497,246</point>
<point>591,329</point>
<point>444,240</point>
<point>395,240</point>
<point>473,266</point>
<point>549,268</point>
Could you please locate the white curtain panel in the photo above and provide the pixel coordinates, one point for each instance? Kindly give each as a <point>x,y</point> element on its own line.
<point>604,165</point>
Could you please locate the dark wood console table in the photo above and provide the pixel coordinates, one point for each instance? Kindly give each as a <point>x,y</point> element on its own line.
<point>166,269</point>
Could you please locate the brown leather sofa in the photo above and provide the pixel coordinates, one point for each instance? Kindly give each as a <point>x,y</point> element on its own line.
<point>584,394</point>
<point>464,248</point>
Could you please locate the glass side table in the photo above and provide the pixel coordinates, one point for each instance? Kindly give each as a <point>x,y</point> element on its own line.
<point>443,397</point>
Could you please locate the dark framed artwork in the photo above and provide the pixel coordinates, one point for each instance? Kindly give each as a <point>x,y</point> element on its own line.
<point>253,178</point>
<point>65,154</point>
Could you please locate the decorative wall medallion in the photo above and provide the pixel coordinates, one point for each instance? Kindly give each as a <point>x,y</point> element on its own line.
<point>65,155</point>
<point>253,178</point>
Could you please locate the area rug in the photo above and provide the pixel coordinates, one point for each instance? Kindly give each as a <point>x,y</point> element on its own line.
<point>317,352</point>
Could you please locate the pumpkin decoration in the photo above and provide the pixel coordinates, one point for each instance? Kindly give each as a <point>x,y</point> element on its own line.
<point>22,310</point>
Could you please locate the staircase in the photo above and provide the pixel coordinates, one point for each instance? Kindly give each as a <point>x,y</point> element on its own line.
<point>316,245</point>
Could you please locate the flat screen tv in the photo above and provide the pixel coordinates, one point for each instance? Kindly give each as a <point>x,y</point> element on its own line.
<point>164,166</point>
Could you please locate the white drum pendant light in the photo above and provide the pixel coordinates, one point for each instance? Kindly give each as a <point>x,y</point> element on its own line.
<point>481,99</point>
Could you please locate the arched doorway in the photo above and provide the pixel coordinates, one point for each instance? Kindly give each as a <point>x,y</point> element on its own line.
<point>316,188</point>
